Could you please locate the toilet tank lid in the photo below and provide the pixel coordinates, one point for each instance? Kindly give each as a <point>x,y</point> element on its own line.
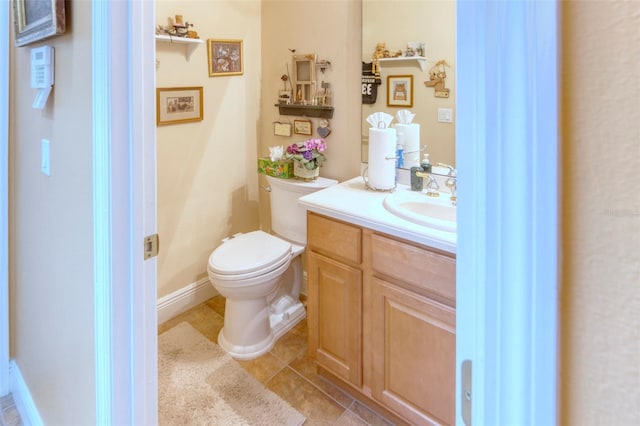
<point>302,186</point>
<point>249,252</point>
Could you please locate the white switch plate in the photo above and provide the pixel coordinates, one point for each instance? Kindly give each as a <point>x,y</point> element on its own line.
<point>46,154</point>
<point>445,115</point>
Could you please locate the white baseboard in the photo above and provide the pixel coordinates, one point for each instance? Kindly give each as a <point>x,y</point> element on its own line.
<point>22,397</point>
<point>184,299</point>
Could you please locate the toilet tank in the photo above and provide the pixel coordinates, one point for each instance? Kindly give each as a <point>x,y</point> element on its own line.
<point>288,217</point>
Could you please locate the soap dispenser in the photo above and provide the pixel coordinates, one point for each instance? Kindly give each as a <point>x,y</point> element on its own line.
<point>416,181</point>
<point>425,164</point>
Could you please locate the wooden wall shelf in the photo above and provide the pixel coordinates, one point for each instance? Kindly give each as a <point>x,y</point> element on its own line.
<point>306,110</point>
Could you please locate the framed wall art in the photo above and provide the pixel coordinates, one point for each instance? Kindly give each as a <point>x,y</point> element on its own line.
<point>400,91</point>
<point>302,127</point>
<point>225,57</point>
<point>281,129</point>
<point>178,105</point>
<point>36,20</point>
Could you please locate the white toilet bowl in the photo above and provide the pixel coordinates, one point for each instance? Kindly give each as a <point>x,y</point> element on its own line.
<point>253,272</point>
<point>260,274</point>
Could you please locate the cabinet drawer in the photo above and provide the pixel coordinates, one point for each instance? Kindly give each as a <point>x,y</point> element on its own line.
<point>413,265</point>
<point>334,239</point>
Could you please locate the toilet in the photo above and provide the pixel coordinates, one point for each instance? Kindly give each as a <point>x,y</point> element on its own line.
<point>260,274</point>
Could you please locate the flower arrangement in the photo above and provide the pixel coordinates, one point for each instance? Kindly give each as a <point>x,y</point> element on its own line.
<point>309,153</point>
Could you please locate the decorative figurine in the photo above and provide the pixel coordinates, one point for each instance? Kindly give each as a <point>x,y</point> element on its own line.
<point>378,54</point>
<point>437,75</point>
<point>178,28</point>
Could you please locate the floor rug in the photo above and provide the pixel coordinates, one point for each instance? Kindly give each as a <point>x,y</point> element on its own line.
<point>200,384</point>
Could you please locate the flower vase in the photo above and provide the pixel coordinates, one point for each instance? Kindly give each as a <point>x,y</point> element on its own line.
<point>301,172</point>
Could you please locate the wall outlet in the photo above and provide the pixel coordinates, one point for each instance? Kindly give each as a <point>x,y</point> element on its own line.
<point>445,115</point>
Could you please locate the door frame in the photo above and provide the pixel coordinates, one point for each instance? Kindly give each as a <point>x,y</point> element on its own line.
<point>4,203</point>
<point>124,188</point>
<point>508,210</point>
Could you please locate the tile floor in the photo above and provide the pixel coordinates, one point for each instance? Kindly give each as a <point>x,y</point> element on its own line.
<point>287,371</point>
<point>8,412</point>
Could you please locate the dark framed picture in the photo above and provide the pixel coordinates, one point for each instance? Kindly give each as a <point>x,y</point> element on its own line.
<point>36,20</point>
<point>178,105</point>
<point>225,57</point>
<point>400,91</point>
<point>302,127</point>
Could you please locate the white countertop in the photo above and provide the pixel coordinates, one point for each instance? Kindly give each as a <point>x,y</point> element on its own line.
<point>350,201</point>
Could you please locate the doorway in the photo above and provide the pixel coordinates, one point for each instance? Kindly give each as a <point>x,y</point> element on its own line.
<point>137,401</point>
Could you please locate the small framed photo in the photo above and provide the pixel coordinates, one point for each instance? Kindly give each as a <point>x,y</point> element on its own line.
<point>400,91</point>
<point>178,105</point>
<point>281,129</point>
<point>302,127</point>
<point>38,20</point>
<point>225,57</point>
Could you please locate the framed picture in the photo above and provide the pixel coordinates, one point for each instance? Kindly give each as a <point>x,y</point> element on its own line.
<point>400,91</point>
<point>36,20</point>
<point>302,127</point>
<point>225,57</point>
<point>178,105</point>
<point>281,129</point>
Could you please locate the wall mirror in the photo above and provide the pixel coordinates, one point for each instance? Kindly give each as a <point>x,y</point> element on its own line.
<point>397,24</point>
<point>304,78</point>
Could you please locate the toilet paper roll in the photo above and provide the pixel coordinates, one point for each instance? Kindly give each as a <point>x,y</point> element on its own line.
<point>382,163</point>
<point>411,139</point>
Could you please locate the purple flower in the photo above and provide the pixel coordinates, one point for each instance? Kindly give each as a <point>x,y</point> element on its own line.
<point>308,152</point>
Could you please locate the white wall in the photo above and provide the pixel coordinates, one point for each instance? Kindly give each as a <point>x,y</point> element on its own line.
<point>207,184</point>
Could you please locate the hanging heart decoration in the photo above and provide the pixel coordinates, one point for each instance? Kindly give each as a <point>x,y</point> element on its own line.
<point>323,128</point>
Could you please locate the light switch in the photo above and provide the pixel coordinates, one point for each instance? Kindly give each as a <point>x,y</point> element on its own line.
<point>46,153</point>
<point>445,115</point>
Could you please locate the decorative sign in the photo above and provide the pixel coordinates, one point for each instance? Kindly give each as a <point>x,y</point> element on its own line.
<point>281,129</point>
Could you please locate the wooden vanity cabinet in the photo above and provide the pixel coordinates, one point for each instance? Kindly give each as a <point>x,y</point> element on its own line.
<point>381,316</point>
<point>413,330</point>
<point>334,300</point>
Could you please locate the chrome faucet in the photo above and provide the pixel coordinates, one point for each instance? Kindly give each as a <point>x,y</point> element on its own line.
<point>431,185</point>
<point>451,182</point>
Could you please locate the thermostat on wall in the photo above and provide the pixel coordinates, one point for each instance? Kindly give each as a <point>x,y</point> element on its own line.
<point>42,75</point>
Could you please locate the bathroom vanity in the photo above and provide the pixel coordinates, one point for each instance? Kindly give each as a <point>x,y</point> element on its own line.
<point>381,304</point>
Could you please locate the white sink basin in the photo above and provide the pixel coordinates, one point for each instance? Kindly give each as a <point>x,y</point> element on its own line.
<point>418,208</point>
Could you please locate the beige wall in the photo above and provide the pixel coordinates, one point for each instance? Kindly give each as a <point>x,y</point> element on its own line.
<point>207,184</point>
<point>600,309</point>
<point>330,29</point>
<point>51,257</point>
<point>395,24</point>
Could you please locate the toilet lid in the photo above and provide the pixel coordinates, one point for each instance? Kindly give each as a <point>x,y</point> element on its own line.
<point>248,253</point>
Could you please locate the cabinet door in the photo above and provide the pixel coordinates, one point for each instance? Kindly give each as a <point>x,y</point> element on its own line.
<point>334,317</point>
<point>414,352</point>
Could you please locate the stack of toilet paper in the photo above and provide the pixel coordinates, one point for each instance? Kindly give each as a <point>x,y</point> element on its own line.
<point>409,133</point>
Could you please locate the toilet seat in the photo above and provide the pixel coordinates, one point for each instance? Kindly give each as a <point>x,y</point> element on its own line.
<point>249,255</point>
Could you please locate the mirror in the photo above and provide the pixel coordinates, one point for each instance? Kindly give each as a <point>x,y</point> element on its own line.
<point>407,24</point>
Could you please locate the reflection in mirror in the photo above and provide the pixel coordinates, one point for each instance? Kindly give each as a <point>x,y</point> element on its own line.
<point>404,26</point>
